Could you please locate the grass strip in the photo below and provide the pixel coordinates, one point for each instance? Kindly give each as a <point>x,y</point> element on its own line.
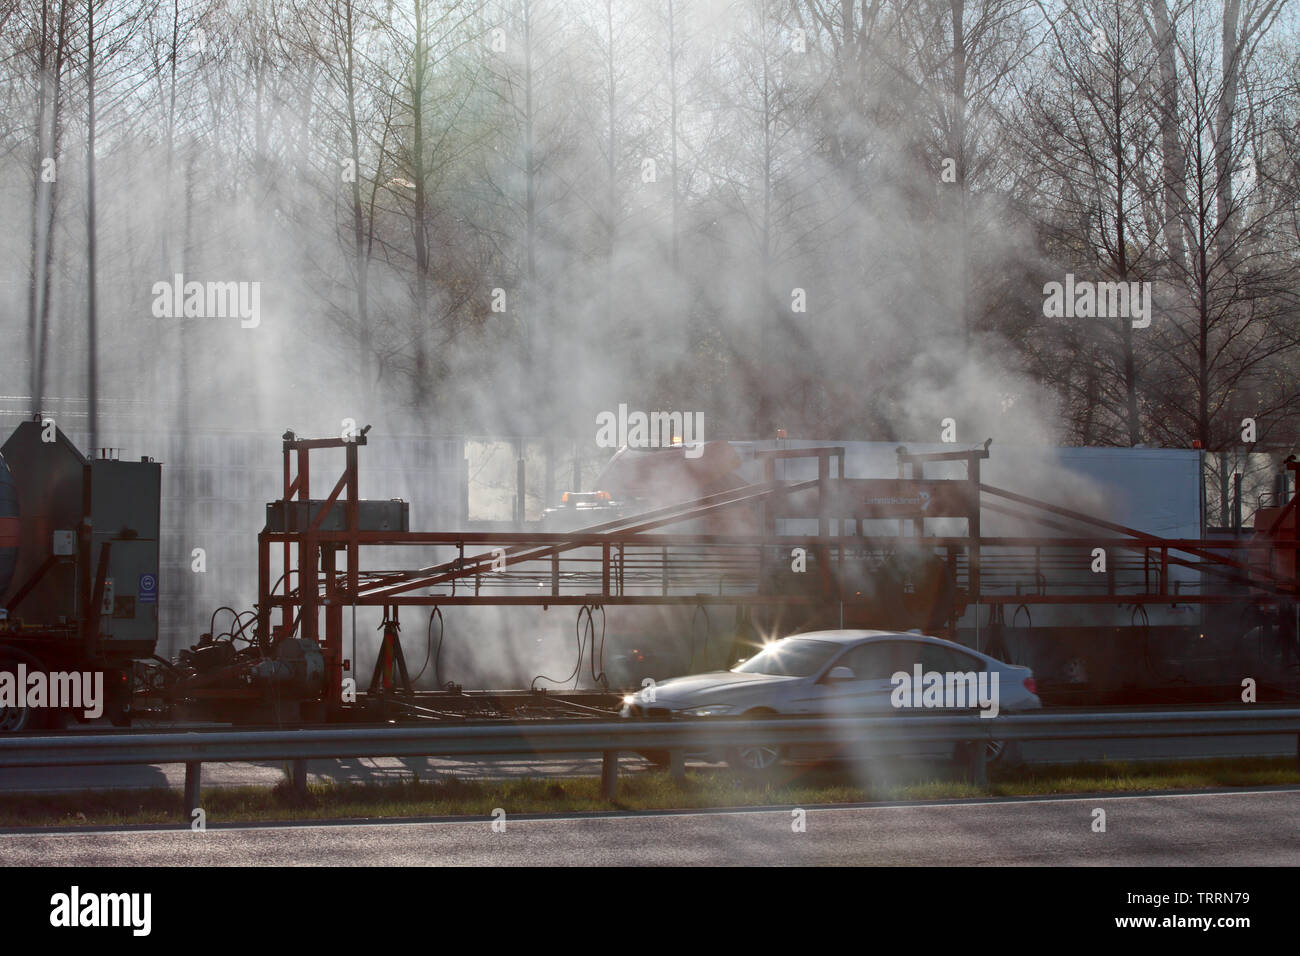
<point>704,788</point>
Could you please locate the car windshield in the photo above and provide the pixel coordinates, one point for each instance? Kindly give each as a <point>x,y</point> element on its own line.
<point>791,657</point>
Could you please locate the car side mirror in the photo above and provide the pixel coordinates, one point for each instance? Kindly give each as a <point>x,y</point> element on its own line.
<point>840,673</point>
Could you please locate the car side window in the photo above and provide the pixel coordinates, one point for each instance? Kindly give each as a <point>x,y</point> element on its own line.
<point>873,661</point>
<point>936,657</point>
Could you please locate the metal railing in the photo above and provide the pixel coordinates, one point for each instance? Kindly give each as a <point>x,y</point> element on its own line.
<point>677,737</point>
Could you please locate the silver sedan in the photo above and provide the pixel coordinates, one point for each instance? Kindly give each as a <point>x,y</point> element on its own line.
<point>841,673</point>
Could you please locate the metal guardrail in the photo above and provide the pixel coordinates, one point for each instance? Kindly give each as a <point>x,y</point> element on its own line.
<point>609,738</point>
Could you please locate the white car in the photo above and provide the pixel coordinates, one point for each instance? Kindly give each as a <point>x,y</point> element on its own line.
<point>840,673</point>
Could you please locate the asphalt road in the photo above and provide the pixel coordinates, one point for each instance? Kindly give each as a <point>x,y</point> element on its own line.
<point>1201,829</point>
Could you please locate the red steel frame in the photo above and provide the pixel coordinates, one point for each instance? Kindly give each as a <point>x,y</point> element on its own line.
<point>322,585</point>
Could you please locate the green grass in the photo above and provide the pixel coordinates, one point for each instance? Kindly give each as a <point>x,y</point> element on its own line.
<point>656,790</point>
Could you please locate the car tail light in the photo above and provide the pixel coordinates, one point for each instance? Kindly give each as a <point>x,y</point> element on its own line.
<point>1031,685</point>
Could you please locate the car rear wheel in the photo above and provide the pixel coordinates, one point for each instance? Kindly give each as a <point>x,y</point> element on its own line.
<point>1002,753</point>
<point>997,753</point>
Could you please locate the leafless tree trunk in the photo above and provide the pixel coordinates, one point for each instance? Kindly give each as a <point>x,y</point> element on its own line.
<point>1161,29</point>
<point>92,274</point>
<point>49,134</point>
<point>419,78</point>
<point>347,25</point>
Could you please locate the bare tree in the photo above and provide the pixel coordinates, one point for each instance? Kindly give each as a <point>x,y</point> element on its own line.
<point>52,45</point>
<point>965,54</point>
<point>1094,118</point>
<point>1233,315</point>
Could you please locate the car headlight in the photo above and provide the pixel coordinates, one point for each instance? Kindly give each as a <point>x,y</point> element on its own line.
<point>629,700</point>
<point>708,710</point>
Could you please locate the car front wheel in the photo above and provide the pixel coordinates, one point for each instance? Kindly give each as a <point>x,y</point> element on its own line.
<point>756,760</point>
<point>659,759</point>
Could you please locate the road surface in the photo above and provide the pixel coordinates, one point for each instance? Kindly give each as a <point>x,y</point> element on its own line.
<point>1198,829</point>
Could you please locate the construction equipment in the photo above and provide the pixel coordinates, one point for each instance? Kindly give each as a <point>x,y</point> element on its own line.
<point>672,583</point>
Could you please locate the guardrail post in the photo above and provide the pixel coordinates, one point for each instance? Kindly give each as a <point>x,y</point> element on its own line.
<point>193,781</point>
<point>979,763</point>
<point>677,765</point>
<point>609,774</point>
<point>300,778</point>
<point>974,761</point>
